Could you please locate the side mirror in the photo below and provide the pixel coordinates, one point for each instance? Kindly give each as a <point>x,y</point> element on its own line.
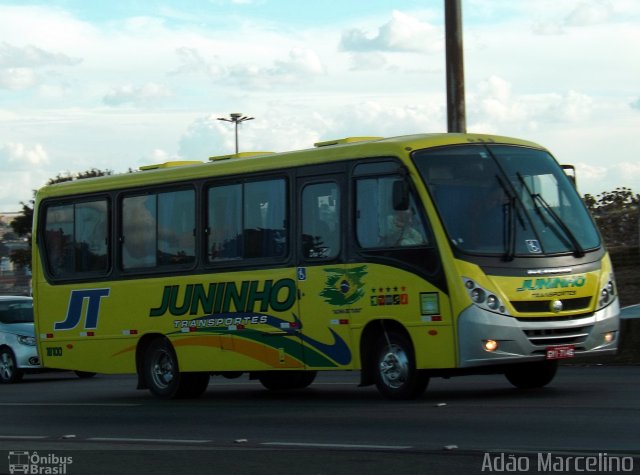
<point>400,195</point>
<point>570,171</point>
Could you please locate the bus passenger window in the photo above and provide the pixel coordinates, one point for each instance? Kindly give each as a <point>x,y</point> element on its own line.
<point>158,229</point>
<point>139,231</point>
<point>247,221</point>
<point>264,219</point>
<point>320,221</point>
<point>76,238</point>
<point>176,227</point>
<point>379,225</point>
<point>225,223</point>
<point>59,239</point>
<point>91,228</point>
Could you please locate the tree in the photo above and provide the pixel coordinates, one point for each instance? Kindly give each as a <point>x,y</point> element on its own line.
<point>23,224</point>
<point>616,214</point>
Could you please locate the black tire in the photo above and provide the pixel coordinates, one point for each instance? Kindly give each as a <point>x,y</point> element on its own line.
<point>395,370</point>
<point>286,380</point>
<point>163,376</point>
<point>532,375</point>
<point>9,372</point>
<point>84,374</point>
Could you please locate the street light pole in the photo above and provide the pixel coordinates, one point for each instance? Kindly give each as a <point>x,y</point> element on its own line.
<point>456,114</point>
<point>236,118</point>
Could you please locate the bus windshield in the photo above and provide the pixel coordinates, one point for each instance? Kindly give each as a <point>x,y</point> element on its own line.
<point>506,200</point>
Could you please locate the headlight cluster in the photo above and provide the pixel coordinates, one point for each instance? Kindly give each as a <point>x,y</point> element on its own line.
<point>27,340</point>
<point>607,293</point>
<point>483,298</point>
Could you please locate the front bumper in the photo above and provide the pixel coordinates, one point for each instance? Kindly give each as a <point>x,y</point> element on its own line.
<point>26,357</point>
<point>526,339</point>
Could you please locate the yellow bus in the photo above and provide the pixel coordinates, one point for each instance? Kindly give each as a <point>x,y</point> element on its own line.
<point>404,258</point>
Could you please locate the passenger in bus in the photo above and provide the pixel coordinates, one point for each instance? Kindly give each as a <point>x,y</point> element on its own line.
<point>401,230</point>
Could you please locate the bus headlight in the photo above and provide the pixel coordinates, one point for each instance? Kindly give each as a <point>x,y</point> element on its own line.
<point>607,293</point>
<point>493,302</point>
<point>483,298</point>
<point>478,295</point>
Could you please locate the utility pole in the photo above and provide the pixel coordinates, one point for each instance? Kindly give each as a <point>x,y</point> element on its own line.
<point>236,118</point>
<point>456,114</point>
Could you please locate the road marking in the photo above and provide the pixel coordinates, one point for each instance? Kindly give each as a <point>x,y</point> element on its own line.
<point>24,437</point>
<point>89,404</point>
<point>157,441</point>
<point>339,446</point>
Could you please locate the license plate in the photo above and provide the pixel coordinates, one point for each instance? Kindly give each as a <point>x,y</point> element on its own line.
<point>560,352</point>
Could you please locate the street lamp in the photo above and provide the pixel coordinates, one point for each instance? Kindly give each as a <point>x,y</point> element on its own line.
<point>236,118</point>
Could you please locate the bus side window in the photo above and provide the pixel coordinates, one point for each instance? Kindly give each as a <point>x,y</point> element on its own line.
<point>139,230</point>
<point>176,227</point>
<point>91,236</point>
<point>320,221</point>
<point>264,219</point>
<point>224,223</point>
<point>379,225</point>
<point>247,221</point>
<point>59,240</point>
<point>76,238</point>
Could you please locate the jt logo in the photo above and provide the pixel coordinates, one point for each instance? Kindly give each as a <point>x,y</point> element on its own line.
<point>76,305</point>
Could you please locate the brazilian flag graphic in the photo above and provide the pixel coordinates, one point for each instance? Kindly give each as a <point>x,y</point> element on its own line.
<point>344,286</point>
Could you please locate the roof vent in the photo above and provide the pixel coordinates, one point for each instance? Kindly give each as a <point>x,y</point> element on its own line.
<point>239,155</point>
<point>345,141</point>
<point>177,163</point>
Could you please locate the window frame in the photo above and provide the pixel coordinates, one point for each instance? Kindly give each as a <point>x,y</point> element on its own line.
<point>158,267</point>
<point>43,242</point>
<point>244,260</point>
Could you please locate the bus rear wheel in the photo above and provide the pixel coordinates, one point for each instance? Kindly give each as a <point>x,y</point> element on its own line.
<point>286,380</point>
<point>163,376</point>
<point>532,375</point>
<point>395,370</point>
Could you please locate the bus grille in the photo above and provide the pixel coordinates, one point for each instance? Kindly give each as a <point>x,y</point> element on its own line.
<point>544,306</point>
<point>558,336</point>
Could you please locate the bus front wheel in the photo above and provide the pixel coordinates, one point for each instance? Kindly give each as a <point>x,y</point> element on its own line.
<point>163,376</point>
<point>395,370</point>
<point>532,375</point>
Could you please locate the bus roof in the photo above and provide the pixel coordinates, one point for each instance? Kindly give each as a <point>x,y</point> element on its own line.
<point>246,162</point>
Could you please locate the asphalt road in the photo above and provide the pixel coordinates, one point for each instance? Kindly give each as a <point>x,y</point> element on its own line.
<point>589,414</point>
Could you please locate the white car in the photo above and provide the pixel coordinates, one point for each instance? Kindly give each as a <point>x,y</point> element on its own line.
<point>632,311</point>
<point>18,351</point>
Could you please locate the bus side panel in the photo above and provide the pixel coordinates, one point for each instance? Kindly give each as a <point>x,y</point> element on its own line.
<point>393,294</point>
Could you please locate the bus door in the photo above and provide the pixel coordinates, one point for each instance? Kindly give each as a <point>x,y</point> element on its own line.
<point>325,283</point>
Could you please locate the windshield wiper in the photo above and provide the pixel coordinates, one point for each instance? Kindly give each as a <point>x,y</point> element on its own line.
<point>540,202</point>
<point>512,212</point>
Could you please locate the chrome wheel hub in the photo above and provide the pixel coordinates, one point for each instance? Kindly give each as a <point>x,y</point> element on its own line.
<point>394,367</point>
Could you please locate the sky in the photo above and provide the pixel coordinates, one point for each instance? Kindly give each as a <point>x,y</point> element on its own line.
<point>117,84</point>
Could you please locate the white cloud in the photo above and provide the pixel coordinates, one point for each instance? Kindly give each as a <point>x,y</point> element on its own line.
<point>17,79</point>
<point>591,12</point>
<point>608,176</point>
<point>129,94</point>
<point>32,57</point>
<point>21,156</point>
<point>403,33</point>
<point>494,102</point>
<point>368,61</point>
<point>301,64</point>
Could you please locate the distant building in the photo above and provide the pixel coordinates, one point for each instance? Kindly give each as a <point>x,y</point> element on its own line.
<point>13,281</point>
